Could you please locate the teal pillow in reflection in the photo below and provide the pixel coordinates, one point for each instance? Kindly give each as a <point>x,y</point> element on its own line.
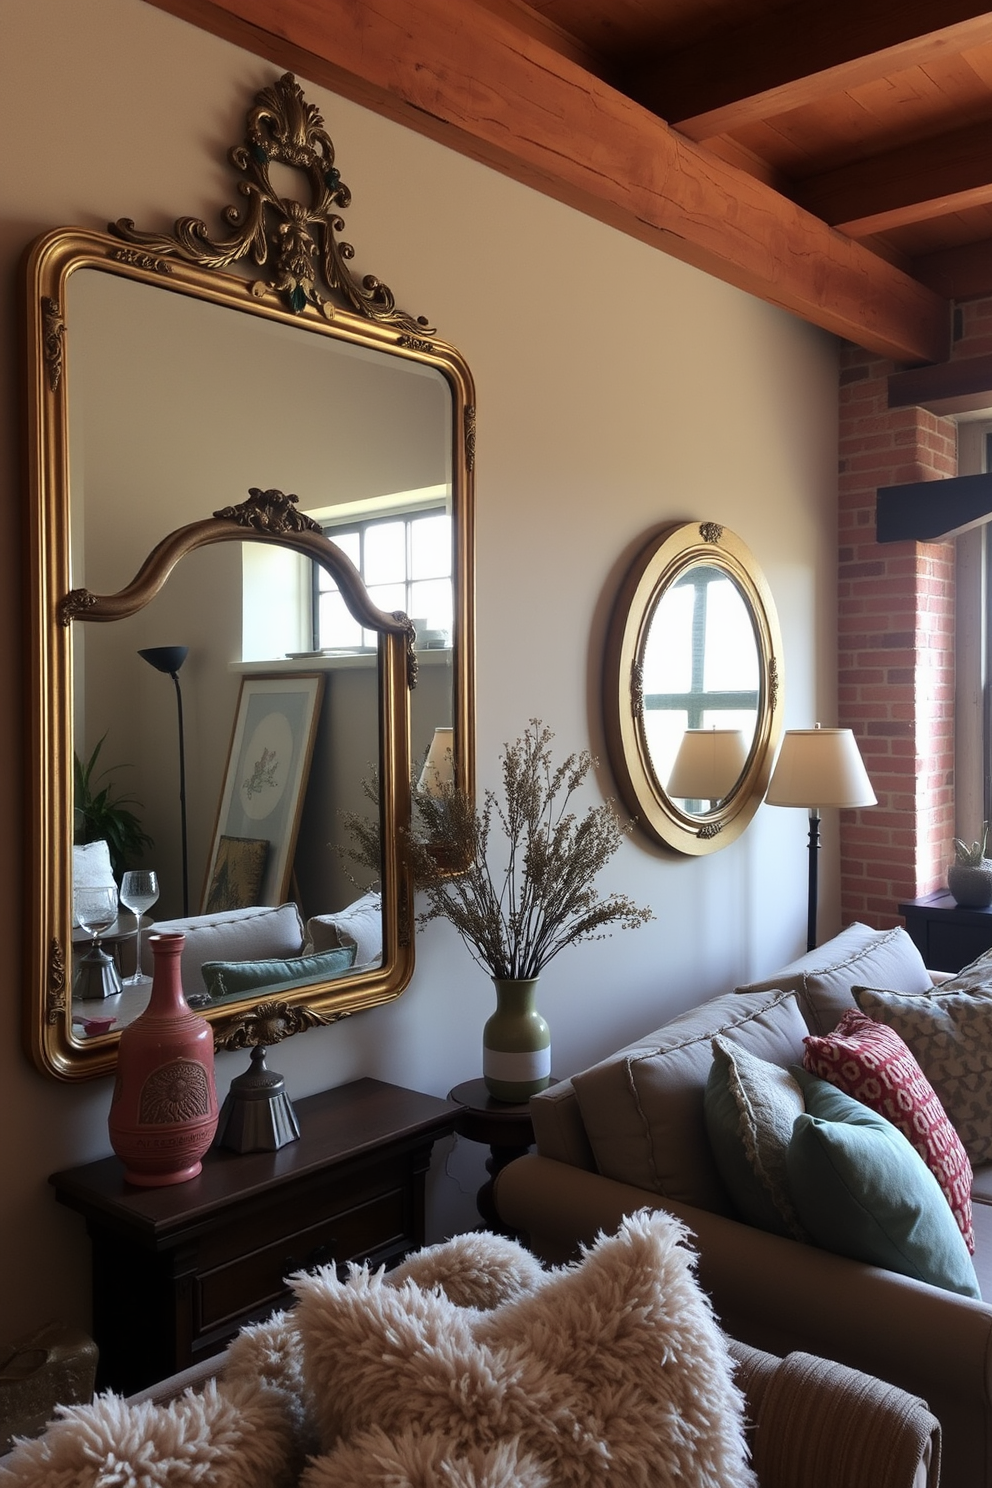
<point>232,978</point>
<point>862,1191</point>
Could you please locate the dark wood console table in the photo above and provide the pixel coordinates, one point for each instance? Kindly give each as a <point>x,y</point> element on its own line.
<point>948,936</point>
<point>178,1270</point>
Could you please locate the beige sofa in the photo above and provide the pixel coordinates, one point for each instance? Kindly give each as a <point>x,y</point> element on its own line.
<point>638,1117</point>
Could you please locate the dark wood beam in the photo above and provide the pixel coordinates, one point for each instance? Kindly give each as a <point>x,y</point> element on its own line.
<point>932,511</point>
<point>947,173</point>
<point>962,273</point>
<point>964,386</point>
<point>794,55</point>
<point>475,81</point>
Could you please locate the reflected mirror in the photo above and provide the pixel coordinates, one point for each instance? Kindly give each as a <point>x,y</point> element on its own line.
<point>163,391</point>
<point>693,687</point>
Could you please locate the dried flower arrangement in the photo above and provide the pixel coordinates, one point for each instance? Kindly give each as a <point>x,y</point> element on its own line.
<point>517,913</point>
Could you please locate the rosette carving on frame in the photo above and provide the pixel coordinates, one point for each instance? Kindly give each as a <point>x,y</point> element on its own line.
<point>269,1023</point>
<point>295,242</point>
<point>269,511</point>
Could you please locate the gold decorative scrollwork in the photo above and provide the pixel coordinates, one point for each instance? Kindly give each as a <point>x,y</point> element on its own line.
<point>773,681</point>
<point>710,532</point>
<point>415,343</point>
<point>412,663</point>
<point>298,240</point>
<point>269,1023</point>
<point>141,260</point>
<point>57,982</point>
<point>53,334</point>
<point>637,689</point>
<point>470,437</point>
<point>74,604</point>
<point>269,511</point>
<point>710,829</point>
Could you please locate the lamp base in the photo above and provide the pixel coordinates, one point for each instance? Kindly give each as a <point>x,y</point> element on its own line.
<point>96,976</point>
<point>257,1115</point>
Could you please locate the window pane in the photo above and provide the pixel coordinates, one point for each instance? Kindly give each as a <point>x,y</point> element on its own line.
<point>349,541</point>
<point>388,597</point>
<point>432,599</point>
<point>337,625</point>
<point>385,553</point>
<point>430,547</point>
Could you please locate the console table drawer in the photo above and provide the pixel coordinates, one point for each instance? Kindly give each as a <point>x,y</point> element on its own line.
<point>252,1281</point>
<point>207,1256</point>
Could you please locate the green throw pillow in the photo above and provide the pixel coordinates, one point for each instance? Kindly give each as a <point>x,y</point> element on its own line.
<point>862,1191</point>
<point>228,978</point>
<point>750,1107</point>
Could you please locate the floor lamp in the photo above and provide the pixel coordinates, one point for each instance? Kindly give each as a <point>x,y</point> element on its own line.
<point>169,659</point>
<point>819,767</point>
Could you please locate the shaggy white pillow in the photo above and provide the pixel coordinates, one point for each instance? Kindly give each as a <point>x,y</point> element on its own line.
<point>238,1436</point>
<point>613,1369</point>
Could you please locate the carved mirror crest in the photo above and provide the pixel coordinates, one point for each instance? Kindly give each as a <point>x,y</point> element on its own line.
<point>163,389</point>
<point>693,687</point>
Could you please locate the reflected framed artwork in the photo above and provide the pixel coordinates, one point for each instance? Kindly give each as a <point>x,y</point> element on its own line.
<point>265,782</point>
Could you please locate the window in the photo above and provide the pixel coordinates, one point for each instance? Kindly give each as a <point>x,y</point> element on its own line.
<point>405,560</point>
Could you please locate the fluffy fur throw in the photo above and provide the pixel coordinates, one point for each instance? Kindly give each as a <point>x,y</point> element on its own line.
<point>466,1367</point>
<point>609,1371</point>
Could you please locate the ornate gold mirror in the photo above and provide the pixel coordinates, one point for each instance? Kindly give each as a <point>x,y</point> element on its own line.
<point>693,687</point>
<point>162,391</point>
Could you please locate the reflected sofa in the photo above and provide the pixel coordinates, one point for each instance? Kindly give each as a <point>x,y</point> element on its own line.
<point>630,1132</point>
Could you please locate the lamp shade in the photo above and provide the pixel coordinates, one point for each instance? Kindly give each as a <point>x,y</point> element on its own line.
<point>166,659</point>
<point>820,767</point>
<point>708,764</point>
<point>439,766</point>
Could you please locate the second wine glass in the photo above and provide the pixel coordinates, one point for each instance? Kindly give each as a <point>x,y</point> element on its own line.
<point>139,891</point>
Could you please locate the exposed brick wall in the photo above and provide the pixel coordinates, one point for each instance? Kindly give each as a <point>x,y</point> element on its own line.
<point>896,644</point>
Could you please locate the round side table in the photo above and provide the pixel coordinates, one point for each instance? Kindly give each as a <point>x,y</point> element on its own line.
<point>505,1127</point>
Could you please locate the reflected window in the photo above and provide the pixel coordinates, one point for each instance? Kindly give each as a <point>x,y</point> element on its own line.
<point>405,561</point>
<point>700,663</point>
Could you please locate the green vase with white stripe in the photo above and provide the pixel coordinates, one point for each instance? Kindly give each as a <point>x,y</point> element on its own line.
<point>516,1043</point>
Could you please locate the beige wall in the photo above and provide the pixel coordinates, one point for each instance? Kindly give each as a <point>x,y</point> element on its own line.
<point>617,390</point>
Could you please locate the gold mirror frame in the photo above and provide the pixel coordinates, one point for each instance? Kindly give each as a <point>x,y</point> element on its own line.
<point>300,279</point>
<point>662,562</point>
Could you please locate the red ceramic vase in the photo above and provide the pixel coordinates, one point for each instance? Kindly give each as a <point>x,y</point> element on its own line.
<point>163,1115</point>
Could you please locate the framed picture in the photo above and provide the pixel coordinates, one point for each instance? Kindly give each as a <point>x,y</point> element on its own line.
<point>262,796</point>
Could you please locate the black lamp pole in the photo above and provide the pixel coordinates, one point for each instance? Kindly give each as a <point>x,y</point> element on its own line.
<point>814,855</point>
<point>169,659</point>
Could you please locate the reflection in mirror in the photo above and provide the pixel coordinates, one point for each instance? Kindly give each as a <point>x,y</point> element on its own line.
<point>693,687</point>
<point>161,390</point>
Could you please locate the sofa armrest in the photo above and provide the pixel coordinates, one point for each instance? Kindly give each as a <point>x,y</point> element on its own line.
<point>819,1424</point>
<point>781,1296</point>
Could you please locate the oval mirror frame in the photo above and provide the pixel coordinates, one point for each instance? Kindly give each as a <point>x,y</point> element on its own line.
<point>665,560</point>
<point>365,317</point>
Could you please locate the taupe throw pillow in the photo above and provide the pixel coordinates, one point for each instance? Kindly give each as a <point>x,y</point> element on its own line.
<point>950,1035</point>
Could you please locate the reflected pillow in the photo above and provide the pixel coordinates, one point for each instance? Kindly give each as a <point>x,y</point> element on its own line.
<point>861,1191</point>
<point>228,978</point>
<point>359,924</point>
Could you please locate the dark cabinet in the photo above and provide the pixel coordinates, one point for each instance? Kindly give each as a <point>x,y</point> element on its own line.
<point>178,1270</point>
<point>948,936</point>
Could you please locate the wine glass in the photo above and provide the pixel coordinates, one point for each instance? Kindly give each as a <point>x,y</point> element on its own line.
<point>139,891</point>
<point>95,910</point>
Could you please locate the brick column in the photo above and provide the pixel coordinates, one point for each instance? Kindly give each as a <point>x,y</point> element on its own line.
<point>895,650</point>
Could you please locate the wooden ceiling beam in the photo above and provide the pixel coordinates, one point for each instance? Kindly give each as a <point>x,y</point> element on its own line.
<point>962,273</point>
<point>471,79</point>
<point>794,56</point>
<point>929,178</point>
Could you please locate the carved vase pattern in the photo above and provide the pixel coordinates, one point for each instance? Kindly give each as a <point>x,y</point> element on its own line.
<point>163,1115</point>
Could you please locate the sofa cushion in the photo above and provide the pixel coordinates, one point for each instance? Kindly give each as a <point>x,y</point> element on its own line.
<point>950,1033</point>
<point>870,1062</point>
<point>234,934</point>
<point>229,978</point>
<point>613,1367</point>
<point>823,979</point>
<point>862,1191</point>
<point>750,1108</point>
<point>643,1107</point>
<point>358,924</point>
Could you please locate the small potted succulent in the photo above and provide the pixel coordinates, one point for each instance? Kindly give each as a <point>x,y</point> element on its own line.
<point>969,877</point>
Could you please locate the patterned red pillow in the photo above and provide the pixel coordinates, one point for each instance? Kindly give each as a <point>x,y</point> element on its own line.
<point>872,1063</point>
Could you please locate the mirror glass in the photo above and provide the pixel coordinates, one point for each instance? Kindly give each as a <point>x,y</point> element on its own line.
<point>160,398</point>
<point>693,687</point>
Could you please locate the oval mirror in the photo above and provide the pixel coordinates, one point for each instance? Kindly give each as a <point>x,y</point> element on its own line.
<point>162,390</point>
<point>693,685</point>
